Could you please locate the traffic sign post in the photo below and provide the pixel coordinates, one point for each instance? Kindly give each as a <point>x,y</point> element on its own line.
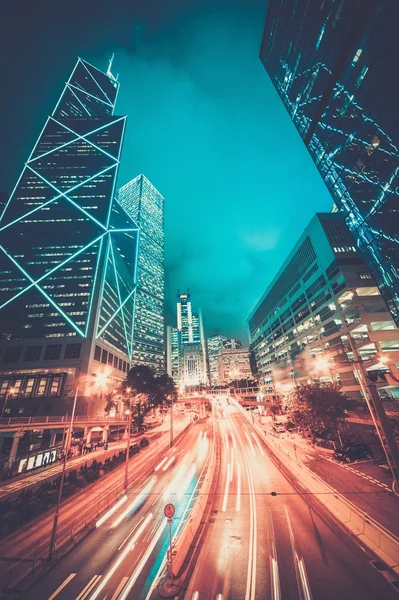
<point>169,512</point>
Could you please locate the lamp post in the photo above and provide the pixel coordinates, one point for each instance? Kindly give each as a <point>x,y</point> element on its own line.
<point>99,381</point>
<point>129,420</point>
<point>171,422</point>
<point>8,394</point>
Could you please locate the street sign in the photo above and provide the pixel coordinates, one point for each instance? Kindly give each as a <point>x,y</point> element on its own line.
<point>169,510</point>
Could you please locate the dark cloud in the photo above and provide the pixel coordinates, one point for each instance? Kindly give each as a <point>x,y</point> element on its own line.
<point>205,126</point>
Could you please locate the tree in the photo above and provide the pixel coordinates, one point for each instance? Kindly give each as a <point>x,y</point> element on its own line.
<point>316,407</point>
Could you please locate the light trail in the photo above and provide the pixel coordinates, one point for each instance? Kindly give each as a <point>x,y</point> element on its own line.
<point>250,443</point>
<point>122,557</point>
<point>232,464</point>
<point>175,483</point>
<point>172,458</point>
<point>300,570</point>
<point>86,590</point>
<point>112,510</point>
<point>258,443</point>
<point>195,596</point>
<point>161,463</point>
<point>238,499</point>
<point>226,439</point>
<point>275,576</point>
<point>226,489</point>
<point>61,587</point>
<point>137,502</point>
<point>234,440</point>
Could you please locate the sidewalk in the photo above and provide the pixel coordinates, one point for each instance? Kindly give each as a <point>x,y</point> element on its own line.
<point>362,482</point>
<point>15,485</point>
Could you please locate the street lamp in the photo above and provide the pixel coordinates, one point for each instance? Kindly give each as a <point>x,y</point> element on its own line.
<point>129,416</point>
<point>8,394</point>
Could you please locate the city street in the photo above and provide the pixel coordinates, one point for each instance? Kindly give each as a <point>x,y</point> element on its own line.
<point>119,557</point>
<point>259,545</point>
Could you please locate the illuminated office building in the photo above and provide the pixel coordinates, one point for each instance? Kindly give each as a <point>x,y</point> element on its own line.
<point>215,345</point>
<point>145,205</point>
<point>331,63</point>
<point>234,365</point>
<point>186,346</point>
<point>68,257</point>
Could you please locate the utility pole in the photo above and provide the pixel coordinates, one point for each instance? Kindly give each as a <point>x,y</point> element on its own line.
<point>171,423</point>
<point>129,415</point>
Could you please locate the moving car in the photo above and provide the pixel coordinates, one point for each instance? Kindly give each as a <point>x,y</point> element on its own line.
<point>354,451</point>
<point>144,442</point>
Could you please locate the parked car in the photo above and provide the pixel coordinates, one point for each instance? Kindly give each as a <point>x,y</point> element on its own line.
<point>144,442</point>
<point>354,451</point>
<point>279,427</point>
<point>134,449</point>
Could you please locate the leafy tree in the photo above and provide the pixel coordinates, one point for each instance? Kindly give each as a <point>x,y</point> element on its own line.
<point>316,407</point>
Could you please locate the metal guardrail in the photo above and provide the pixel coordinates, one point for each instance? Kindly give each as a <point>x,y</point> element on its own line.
<point>7,421</point>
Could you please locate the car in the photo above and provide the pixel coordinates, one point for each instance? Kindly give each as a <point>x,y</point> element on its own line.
<point>144,442</point>
<point>134,449</point>
<point>279,427</point>
<point>353,451</point>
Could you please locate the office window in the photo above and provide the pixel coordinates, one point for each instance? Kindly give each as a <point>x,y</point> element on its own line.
<point>72,351</point>
<point>12,354</point>
<point>110,358</point>
<point>365,275</point>
<point>104,357</point>
<point>55,387</point>
<point>120,367</point>
<point>311,271</point>
<point>41,388</point>
<point>29,387</point>
<point>97,353</point>
<point>53,352</point>
<point>115,362</point>
<point>32,353</point>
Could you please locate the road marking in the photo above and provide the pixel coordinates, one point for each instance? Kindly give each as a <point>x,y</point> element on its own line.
<point>120,588</point>
<point>161,463</point>
<point>172,458</point>
<point>238,500</point>
<point>92,583</point>
<point>61,587</point>
<point>111,511</point>
<point>129,535</point>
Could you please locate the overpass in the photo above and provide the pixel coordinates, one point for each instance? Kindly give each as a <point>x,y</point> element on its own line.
<point>57,422</point>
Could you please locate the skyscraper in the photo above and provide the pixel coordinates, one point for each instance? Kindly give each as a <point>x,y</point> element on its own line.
<point>145,205</point>
<point>68,253</point>
<point>215,345</point>
<point>186,348</point>
<point>331,62</point>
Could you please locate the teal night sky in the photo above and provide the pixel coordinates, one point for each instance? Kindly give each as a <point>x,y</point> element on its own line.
<point>205,125</point>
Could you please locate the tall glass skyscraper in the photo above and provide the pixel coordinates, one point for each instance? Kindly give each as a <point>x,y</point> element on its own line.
<point>68,250</point>
<point>331,62</point>
<point>145,205</point>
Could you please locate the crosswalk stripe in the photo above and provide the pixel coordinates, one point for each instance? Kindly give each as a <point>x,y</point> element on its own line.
<point>61,587</point>
<point>120,588</point>
<point>85,592</point>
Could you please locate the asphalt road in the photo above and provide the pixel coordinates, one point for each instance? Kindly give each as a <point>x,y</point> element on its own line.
<point>260,546</point>
<point>118,559</point>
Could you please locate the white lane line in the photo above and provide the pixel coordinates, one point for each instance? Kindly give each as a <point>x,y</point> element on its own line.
<point>120,588</point>
<point>250,443</point>
<point>259,446</point>
<point>226,489</point>
<point>61,587</point>
<point>172,458</point>
<point>129,535</point>
<point>238,500</point>
<point>86,590</point>
<point>301,575</point>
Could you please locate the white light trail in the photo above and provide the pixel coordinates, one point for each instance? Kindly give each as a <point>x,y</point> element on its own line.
<point>226,490</point>
<point>195,596</point>
<point>250,443</point>
<point>161,463</point>
<point>258,443</point>
<point>172,458</point>
<point>238,500</point>
<point>122,557</point>
<point>226,441</point>
<point>234,440</point>
<point>301,575</point>
<point>138,501</point>
<point>112,510</point>
<point>232,464</point>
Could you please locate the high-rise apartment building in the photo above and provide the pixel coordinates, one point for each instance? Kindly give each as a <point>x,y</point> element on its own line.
<point>185,343</point>
<point>322,314</point>
<point>67,256</point>
<point>145,205</point>
<point>331,62</point>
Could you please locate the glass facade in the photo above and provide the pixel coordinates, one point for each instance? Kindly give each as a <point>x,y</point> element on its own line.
<point>145,205</point>
<point>330,62</point>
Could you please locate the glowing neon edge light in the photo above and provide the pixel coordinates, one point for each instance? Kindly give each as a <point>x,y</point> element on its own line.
<point>98,85</point>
